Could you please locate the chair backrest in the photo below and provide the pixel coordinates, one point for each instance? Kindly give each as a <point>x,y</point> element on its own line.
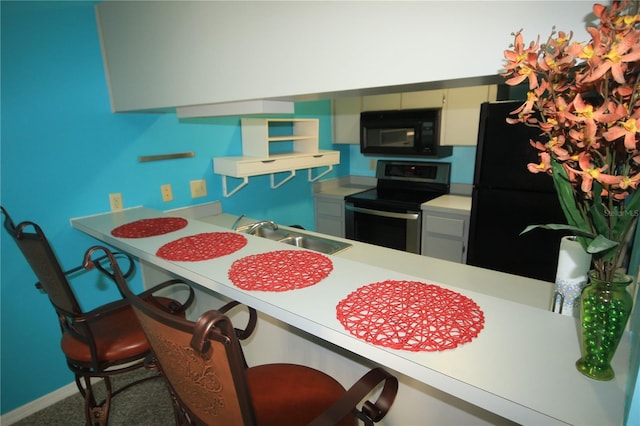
<point>36,249</point>
<point>201,361</point>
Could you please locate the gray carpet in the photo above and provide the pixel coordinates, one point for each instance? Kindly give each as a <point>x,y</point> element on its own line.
<point>145,404</point>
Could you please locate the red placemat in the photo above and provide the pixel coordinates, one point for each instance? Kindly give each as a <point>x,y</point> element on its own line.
<point>410,315</point>
<point>280,270</point>
<point>202,246</point>
<point>149,227</point>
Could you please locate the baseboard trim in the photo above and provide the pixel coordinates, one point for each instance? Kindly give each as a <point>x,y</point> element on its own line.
<point>38,404</point>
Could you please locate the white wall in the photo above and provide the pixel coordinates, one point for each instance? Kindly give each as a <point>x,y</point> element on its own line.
<point>167,54</point>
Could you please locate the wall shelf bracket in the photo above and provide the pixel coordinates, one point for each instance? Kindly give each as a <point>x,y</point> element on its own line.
<point>274,185</point>
<point>226,193</point>
<point>313,179</point>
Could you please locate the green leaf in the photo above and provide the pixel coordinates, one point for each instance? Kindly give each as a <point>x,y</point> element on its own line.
<point>596,211</point>
<point>601,244</point>
<point>566,196</point>
<point>562,227</point>
<point>628,216</point>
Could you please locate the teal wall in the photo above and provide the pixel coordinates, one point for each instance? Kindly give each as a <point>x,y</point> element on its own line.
<point>462,163</point>
<point>62,152</point>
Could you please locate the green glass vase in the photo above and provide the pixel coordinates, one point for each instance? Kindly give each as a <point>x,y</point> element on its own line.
<point>605,307</point>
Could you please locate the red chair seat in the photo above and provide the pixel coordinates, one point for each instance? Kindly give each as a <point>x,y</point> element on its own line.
<point>117,333</point>
<point>289,394</point>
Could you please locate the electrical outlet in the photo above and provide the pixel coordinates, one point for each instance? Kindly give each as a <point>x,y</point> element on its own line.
<point>372,164</point>
<point>167,194</point>
<point>198,188</point>
<point>115,200</point>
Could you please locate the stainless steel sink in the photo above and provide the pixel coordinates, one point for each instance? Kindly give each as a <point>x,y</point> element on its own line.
<point>271,234</point>
<point>322,245</point>
<point>298,239</point>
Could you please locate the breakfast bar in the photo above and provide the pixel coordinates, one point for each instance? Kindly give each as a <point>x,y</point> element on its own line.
<point>511,358</point>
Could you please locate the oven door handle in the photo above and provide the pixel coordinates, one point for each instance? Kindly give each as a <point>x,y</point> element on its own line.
<point>407,216</point>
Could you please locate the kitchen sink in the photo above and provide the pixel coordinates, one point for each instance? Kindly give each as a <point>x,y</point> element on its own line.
<point>271,234</point>
<point>299,239</point>
<point>316,244</point>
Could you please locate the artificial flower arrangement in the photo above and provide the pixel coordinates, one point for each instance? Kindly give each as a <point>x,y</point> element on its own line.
<point>585,99</point>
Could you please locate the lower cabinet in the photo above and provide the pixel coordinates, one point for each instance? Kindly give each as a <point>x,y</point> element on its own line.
<point>329,215</point>
<point>445,233</point>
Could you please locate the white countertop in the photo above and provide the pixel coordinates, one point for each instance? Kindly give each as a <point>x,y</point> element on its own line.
<point>449,202</point>
<point>521,365</point>
<point>343,190</point>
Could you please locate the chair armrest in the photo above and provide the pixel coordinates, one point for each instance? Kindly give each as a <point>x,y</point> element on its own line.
<point>242,334</point>
<point>174,307</point>
<point>370,413</point>
<point>130,268</point>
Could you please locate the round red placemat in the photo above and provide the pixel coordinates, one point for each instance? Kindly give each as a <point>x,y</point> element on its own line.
<point>410,315</point>
<point>149,227</point>
<point>202,246</point>
<point>280,270</point>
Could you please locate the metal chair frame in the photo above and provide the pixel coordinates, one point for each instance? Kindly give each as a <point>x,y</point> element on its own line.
<point>78,325</point>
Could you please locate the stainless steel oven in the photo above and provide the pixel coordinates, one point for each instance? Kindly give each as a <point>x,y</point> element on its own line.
<point>395,229</point>
<point>390,215</point>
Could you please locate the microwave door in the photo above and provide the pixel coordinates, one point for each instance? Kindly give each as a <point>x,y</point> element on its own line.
<point>393,138</point>
<point>397,137</point>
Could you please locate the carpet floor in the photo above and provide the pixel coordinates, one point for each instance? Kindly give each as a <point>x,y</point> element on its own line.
<point>144,404</point>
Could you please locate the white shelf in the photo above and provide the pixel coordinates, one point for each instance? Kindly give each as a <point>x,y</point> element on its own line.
<point>242,166</point>
<point>259,135</point>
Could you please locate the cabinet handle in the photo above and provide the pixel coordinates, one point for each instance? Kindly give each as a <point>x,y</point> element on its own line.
<point>318,156</point>
<point>268,161</point>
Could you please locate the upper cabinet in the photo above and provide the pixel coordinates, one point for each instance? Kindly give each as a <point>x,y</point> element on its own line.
<point>460,112</point>
<point>382,102</point>
<point>346,120</point>
<point>423,99</point>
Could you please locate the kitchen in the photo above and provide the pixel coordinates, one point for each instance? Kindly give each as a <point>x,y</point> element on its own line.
<point>64,152</point>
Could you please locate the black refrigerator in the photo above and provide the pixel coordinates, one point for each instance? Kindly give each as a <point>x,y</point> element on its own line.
<point>507,198</point>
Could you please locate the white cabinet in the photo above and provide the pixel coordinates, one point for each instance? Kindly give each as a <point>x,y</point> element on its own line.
<point>329,214</point>
<point>346,120</point>
<point>460,112</point>
<point>382,102</point>
<point>274,145</point>
<point>423,99</point>
<point>445,228</point>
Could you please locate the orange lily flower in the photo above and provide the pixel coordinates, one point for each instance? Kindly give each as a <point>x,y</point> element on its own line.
<point>632,182</point>
<point>543,166</point>
<point>627,129</point>
<point>522,62</point>
<point>620,53</point>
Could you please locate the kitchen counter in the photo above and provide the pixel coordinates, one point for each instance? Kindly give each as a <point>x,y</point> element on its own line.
<point>521,365</point>
<point>449,202</point>
<point>534,293</point>
<point>343,186</point>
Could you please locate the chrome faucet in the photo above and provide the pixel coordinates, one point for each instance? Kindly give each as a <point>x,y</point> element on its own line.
<point>254,226</point>
<point>237,222</point>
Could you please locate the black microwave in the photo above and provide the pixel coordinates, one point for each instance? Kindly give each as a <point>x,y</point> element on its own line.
<point>407,133</point>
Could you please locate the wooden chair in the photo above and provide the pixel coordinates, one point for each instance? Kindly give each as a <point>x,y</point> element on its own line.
<point>102,342</point>
<point>203,365</point>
